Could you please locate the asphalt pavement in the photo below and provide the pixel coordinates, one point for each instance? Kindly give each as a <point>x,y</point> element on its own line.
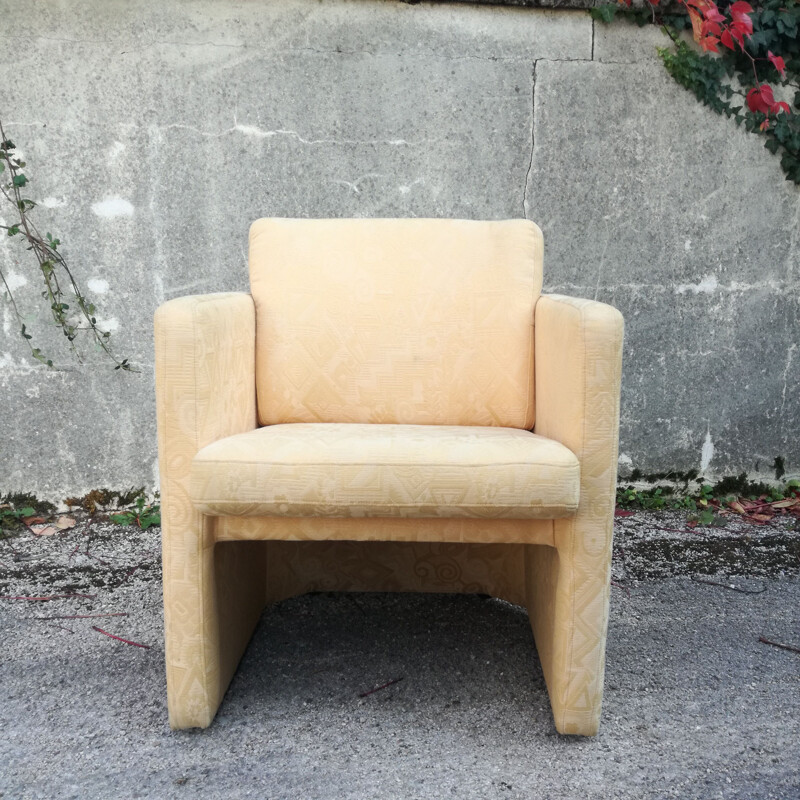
<point>696,705</point>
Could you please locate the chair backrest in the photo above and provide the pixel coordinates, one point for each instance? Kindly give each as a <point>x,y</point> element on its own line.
<point>416,321</point>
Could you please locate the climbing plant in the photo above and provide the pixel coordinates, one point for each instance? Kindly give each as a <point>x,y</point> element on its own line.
<point>744,63</point>
<point>59,282</point>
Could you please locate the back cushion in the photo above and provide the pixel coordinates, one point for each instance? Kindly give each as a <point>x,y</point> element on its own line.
<point>411,321</point>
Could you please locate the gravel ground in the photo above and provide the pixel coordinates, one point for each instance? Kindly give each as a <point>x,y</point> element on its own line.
<point>695,705</point>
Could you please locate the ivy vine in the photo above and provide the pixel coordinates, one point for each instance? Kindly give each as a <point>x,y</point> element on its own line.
<point>59,282</point>
<point>739,55</point>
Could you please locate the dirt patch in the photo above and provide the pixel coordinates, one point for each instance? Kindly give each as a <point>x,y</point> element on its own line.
<point>652,544</point>
<point>95,554</point>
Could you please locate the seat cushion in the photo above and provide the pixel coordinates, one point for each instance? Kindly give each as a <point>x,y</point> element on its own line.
<point>404,321</point>
<point>356,470</point>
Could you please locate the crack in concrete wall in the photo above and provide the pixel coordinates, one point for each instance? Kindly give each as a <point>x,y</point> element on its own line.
<point>533,143</point>
<point>789,358</point>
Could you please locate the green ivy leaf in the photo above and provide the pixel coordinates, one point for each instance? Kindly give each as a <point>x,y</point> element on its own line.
<point>20,180</point>
<point>146,520</point>
<point>604,13</point>
<point>706,518</point>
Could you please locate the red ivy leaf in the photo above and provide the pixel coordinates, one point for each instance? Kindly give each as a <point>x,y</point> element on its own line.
<point>712,14</point>
<point>709,43</point>
<point>760,99</point>
<point>767,95</point>
<point>777,62</point>
<point>697,24</point>
<point>727,39</point>
<point>742,23</point>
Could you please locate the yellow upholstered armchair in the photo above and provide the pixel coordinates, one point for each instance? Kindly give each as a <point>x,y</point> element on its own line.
<point>393,407</point>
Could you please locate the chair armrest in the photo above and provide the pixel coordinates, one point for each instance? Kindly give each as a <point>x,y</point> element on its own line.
<point>578,367</point>
<point>205,379</point>
<point>205,391</point>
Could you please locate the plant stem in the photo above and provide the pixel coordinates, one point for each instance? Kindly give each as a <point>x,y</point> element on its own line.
<point>49,259</point>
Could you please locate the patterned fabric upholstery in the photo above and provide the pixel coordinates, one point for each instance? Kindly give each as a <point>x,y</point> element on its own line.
<point>417,321</point>
<point>351,470</point>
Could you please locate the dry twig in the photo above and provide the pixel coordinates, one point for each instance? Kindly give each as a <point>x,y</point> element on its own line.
<point>729,586</point>
<point>119,638</point>
<point>48,597</point>
<point>382,686</point>
<point>85,616</point>
<point>789,647</point>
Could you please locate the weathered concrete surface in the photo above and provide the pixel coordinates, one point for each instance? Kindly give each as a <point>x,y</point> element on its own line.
<point>676,218</point>
<point>695,706</point>
<point>155,132</point>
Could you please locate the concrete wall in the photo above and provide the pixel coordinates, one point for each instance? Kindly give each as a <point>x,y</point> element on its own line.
<point>156,131</point>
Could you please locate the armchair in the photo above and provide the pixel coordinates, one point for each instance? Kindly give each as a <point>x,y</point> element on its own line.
<point>393,407</point>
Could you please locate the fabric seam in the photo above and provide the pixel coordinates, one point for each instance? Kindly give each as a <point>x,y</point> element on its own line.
<point>201,576</point>
<point>334,504</point>
<point>202,462</point>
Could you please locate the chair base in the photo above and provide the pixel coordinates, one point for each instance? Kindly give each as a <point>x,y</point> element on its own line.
<point>248,576</point>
